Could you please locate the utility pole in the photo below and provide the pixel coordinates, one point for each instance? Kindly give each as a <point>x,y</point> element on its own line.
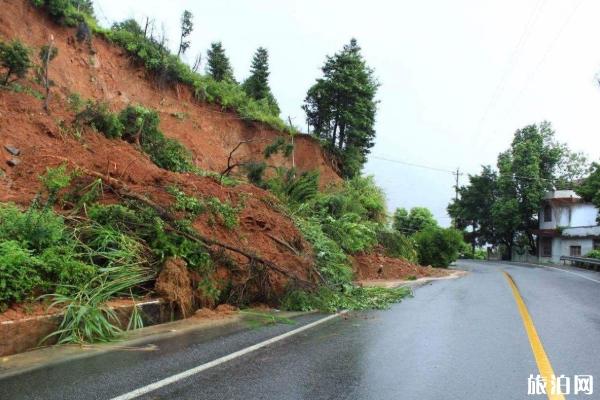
<point>456,187</point>
<point>293,147</point>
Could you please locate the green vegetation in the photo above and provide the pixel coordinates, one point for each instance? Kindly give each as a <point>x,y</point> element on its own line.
<point>501,207</point>
<point>257,84</point>
<point>398,244</point>
<point>438,247</point>
<point>187,26</point>
<point>594,254</point>
<point>418,219</point>
<point>341,108</point>
<point>219,67</point>
<point>139,125</point>
<point>14,58</point>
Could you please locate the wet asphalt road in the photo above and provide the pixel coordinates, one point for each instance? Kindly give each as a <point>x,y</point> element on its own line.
<point>456,339</point>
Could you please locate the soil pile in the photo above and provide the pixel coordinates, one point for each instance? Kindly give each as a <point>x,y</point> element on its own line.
<point>378,266</point>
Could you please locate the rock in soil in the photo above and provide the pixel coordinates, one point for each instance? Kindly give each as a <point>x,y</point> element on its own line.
<point>13,162</point>
<point>12,150</point>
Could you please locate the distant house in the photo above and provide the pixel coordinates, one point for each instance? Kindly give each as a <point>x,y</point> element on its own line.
<point>567,226</point>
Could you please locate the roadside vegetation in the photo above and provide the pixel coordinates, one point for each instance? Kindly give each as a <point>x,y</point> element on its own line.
<point>500,206</point>
<point>77,251</point>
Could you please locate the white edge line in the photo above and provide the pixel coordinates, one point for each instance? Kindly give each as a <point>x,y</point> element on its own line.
<point>574,273</point>
<point>560,269</point>
<point>185,374</point>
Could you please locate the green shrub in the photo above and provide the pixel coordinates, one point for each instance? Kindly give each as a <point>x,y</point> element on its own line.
<point>255,172</point>
<point>594,254</point>
<point>331,261</point>
<point>37,229</point>
<point>141,127</point>
<point>14,57</point>
<point>438,246</point>
<point>397,245</point>
<point>227,214</point>
<point>102,119</point>
<point>67,12</point>
<point>18,273</point>
<point>350,232</point>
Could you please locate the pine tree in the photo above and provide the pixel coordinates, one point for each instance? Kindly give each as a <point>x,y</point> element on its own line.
<point>218,63</point>
<point>186,29</point>
<point>257,84</point>
<point>341,107</point>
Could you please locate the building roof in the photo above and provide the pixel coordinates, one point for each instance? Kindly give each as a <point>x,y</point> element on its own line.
<point>562,195</point>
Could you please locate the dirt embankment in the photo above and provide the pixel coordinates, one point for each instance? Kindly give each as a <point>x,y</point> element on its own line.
<point>377,266</point>
<point>105,72</point>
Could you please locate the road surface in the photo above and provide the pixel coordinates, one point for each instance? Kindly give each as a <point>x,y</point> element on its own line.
<point>456,339</point>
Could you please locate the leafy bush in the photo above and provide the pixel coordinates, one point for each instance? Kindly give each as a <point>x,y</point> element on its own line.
<point>438,246</point>
<point>594,254</point>
<point>141,127</point>
<point>100,118</point>
<point>14,57</point>
<point>67,12</point>
<point>331,261</point>
<point>359,195</point>
<point>350,233</point>
<point>18,273</point>
<point>398,245</point>
<point>294,188</point>
<point>227,214</point>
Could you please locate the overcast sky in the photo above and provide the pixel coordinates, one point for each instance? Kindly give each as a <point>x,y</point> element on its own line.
<point>457,77</point>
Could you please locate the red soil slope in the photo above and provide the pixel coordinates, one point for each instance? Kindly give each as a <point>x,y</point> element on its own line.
<point>210,134</point>
<point>107,74</point>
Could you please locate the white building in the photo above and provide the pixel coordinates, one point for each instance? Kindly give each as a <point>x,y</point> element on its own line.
<point>567,226</point>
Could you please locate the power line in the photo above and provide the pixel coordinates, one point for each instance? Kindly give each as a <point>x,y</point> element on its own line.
<point>549,49</point>
<point>532,20</point>
<point>454,173</point>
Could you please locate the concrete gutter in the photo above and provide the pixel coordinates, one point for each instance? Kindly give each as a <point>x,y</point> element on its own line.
<point>138,340</point>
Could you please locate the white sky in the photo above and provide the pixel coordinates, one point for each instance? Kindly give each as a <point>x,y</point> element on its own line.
<point>458,77</point>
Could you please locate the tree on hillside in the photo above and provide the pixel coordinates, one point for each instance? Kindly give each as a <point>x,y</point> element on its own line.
<point>47,54</point>
<point>257,84</point>
<point>14,57</point>
<point>340,107</point>
<point>473,208</point>
<point>186,29</point>
<point>418,219</point>
<point>219,67</point>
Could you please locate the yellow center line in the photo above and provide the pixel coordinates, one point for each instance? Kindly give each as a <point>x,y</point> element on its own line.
<point>541,358</point>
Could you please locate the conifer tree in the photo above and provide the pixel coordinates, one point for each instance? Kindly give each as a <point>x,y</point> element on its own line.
<point>257,84</point>
<point>219,66</point>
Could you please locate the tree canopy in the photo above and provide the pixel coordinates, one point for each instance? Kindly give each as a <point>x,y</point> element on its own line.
<point>14,57</point>
<point>257,84</point>
<point>418,219</point>
<point>219,67</point>
<point>187,26</point>
<point>340,107</point>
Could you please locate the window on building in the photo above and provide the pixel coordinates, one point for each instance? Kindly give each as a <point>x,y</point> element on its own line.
<point>547,213</point>
<point>575,251</point>
<point>546,247</point>
<point>596,244</point>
